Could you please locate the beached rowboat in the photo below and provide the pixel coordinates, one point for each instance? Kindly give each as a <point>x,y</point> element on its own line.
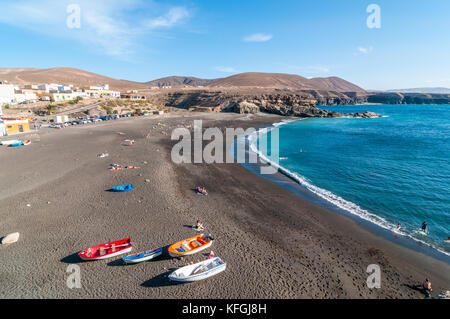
<point>191,245</point>
<point>10,142</point>
<point>143,256</point>
<point>199,271</point>
<point>107,250</point>
<point>11,238</point>
<point>123,188</point>
<point>20,143</point>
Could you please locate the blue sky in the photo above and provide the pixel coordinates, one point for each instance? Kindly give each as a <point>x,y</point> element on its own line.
<point>143,40</point>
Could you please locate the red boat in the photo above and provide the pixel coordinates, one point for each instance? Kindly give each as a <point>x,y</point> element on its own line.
<point>107,250</point>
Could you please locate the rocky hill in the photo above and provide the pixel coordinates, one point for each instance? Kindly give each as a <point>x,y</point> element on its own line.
<point>178,81</point>
<point>286,81</point>
<point>73,76</point>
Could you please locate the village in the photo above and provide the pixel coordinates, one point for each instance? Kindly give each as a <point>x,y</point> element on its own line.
<point>60,105</point>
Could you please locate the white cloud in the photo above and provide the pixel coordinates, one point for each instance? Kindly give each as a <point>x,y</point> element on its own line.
<point>109,26</point>
<point>258,37</point>
<point>174,16</point>
<point>365,50</point>
<point>225,69</point>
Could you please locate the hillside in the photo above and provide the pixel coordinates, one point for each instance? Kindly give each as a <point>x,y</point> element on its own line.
<point>73,76</point>
<point>82,78</point>
<point>178,81</point>
<point>290,81</point>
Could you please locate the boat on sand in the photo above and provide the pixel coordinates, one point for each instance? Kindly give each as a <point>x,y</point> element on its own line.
<point>191,245</point>
<point>122,188</point>
<point>107,250</point>
<point>10,238</point>
<point>9,142</point>
<point>142,256</point>
<point>199,271</point>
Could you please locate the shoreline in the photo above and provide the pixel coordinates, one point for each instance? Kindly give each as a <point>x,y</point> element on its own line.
<point>303,191</point>
<point>276,244</point>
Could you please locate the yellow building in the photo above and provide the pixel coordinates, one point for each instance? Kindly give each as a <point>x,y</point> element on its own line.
<point>14,126</point>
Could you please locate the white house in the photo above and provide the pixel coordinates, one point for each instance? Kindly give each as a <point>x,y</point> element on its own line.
<point>48,87</point>
<point>61,97</point>
<point>7,95</point>
<point>22,97</point>
<point>64,88</point>
<point>61,119</point>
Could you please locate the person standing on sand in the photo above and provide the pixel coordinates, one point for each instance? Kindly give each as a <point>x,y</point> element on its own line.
<point>427,287</point>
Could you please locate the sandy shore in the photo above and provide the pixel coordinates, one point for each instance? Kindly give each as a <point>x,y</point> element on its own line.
<point>276,244</point>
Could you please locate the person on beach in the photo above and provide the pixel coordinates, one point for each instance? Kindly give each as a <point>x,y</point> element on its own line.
<point>199,225</point>
<point>425,227</point>
<point>427,287</point>
<point>202,190</point>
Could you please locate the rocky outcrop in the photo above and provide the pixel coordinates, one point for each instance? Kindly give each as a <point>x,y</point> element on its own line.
<point>286,103</point>
<point>408,98</point>
<point>366,114</point>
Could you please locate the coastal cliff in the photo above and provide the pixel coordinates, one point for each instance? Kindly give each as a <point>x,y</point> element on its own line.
<point>408,98</point>
<point>286,103</point>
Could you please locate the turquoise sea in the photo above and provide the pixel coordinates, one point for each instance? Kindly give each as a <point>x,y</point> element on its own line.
<point>391,170</point>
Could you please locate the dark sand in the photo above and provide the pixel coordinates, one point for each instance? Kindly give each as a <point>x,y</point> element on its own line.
<point>276,244</point>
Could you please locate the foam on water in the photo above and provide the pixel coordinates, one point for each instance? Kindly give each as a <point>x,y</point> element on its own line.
<point>332,198</point>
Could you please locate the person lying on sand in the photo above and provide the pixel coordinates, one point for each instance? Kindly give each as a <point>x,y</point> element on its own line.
<point>199,225</point>
<point>201,190</point>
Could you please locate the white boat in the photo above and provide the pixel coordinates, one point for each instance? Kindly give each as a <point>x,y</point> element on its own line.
<point>10,142</point>
<point>11,238</point>
<point>199,271</point>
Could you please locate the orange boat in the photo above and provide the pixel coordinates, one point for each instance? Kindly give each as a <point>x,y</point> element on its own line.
<point>191,245</point>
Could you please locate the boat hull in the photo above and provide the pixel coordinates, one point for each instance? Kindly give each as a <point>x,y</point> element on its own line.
<point>183,274</point>
<point>143,256</point>
<point>176,250</point>
<point>107,250</point>
<point>11,238</point>
<point>10,142</point>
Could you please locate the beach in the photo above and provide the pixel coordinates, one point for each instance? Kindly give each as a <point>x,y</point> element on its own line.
<point>276,244</point>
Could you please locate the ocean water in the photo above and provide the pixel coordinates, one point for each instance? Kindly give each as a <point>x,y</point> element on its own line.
<point>389,170</point>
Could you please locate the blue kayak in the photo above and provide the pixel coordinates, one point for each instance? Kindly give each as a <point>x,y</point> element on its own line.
<point>143,256</point>
<point>123,188</point>
<point>16,144</point>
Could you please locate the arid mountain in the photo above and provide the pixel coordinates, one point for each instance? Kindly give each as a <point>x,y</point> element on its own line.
<point>178,81</point>
<point>73,76</point>
<point>263,80</point>
<point>289,81</point>
<point>335,84</point>
<point>82,78</point>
